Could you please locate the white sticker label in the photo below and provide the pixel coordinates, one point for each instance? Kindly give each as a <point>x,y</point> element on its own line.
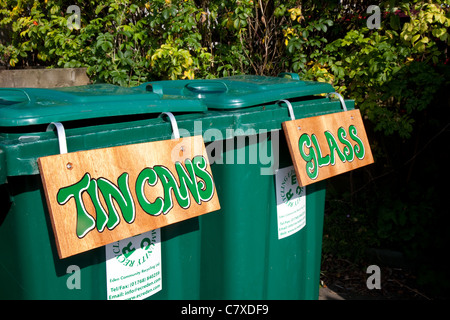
<point>291,202</point>
<point>133,267</point>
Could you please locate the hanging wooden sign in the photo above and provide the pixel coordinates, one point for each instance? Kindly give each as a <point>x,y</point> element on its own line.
<point>328,145</point>
<point>99,196</point>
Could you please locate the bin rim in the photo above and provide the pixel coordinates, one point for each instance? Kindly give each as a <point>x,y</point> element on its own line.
<point>243,91</point>
<point>34,106</point>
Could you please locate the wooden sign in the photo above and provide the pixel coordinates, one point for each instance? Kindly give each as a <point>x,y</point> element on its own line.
<point>328,145</point>
<point>100,196</point>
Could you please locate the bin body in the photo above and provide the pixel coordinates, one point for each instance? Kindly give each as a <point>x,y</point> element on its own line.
<point>29,266</point>
<point>233,253</point>
<point>31,269</point>
<point>242,256</point>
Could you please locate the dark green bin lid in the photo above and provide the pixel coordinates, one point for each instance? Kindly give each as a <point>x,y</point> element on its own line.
<point>31,106</point>
<point>243,91</point>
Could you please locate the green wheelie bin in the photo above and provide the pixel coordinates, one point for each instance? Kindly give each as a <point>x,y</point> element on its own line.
<point>93,116</point>
<point>265,242</point>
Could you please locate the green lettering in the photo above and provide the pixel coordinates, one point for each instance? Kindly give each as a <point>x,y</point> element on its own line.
<point>293,179</point>
<point>289,195</point>
<point>85,222</point>
<point>108,191</point>
<point>348,149</point>
<point>102,215</point>
<point>193,176</point>
<point>206,186</point>
<point>321,161</point>
<point>148,175</point>
<point>359,147</point>
<point>121,195</point>
<point>128,209</point>
<point>128,263</point>
<point>145,243</point>
<point>128,250</point>
<point>187,181</point>
<point>312,169</point>
<point>332,143</point>
<point>169,183</point>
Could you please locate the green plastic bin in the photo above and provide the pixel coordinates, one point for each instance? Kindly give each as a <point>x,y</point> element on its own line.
<point>233,253</point>
<point>94,116</point>
<point>242,254</point>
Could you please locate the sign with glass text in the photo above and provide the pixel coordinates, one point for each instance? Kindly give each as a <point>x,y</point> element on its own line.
<point>324,146</point>
<point>100,196</point>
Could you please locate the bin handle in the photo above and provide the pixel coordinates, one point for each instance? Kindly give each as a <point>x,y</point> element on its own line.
<point>4,94</point>
<point>203,87</point>
<point>289,105</point>
<point>61,135</point>
<point>340,98</point>
<point>173,122</point>
<point>294,76</point>
<point>155,88</point>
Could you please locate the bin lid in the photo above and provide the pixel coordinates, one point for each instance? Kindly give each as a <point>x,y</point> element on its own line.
<point>243,91</point>
<point>31,106</point>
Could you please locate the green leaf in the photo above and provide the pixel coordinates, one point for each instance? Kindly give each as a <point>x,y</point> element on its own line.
<point>99,8</point>
<point>439,32</point>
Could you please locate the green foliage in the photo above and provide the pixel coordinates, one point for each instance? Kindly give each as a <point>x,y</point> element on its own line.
<point>349,229</point>
<point>121,42</point>
<point>128,41</point>
<point>428,25</point>
<point>403,99</point>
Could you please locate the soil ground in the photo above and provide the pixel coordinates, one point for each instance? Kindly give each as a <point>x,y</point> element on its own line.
<point>344,280</point>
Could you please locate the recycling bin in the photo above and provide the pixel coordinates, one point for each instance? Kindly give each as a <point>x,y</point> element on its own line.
<point>93,116</point>
<point>265,242</point>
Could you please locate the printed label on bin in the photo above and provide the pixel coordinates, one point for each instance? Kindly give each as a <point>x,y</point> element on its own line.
<point>291,202</point>
<point>100,196</point>
<point>133,267</point>
<point>324,146</point>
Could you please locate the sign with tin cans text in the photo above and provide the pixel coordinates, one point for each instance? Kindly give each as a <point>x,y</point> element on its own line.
<point>100,196</point>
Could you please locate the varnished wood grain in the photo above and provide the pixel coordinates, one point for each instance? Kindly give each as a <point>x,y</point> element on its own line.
<point>318,126</point>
